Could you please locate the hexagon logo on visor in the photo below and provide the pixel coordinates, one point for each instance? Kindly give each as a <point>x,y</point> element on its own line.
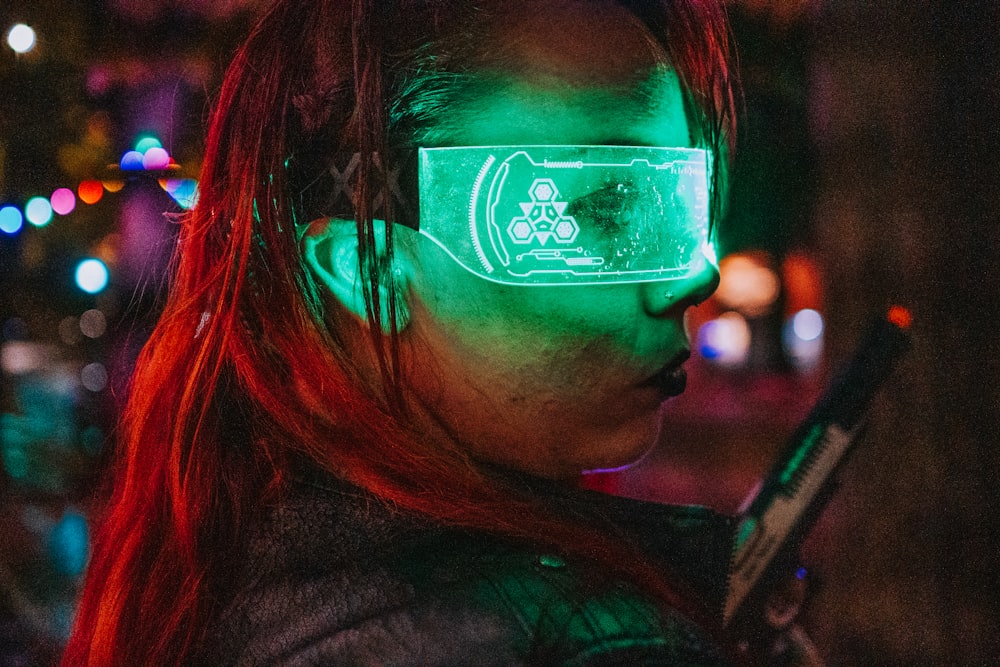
<point>556,215</point>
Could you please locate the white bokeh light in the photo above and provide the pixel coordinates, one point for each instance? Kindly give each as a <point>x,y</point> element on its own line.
<point>94,377</point>
<point>91,276</point>
<point>802,339</point>
<point>21,38</point>
<point>725,340</point>
<point>808,324</point>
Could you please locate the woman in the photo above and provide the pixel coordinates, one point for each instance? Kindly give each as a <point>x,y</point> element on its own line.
<point>348,443</point>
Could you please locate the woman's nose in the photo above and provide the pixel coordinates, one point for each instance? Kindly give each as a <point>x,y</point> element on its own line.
<point>674,296</point>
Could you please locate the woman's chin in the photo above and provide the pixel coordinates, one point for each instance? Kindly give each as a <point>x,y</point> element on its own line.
<point>627,447</point>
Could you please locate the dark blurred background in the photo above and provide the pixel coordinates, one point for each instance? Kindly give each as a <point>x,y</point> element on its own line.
<point>866,175</point>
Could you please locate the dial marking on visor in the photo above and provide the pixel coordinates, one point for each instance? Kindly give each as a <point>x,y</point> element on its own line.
<point>473,206</point>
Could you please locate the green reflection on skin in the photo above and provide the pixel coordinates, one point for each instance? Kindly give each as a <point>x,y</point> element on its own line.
<point>550,380</point>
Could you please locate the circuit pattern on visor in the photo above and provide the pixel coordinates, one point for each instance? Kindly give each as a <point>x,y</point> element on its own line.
<point>553,215</point>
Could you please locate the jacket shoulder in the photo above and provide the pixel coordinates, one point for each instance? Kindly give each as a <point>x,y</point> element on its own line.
<point>560,613</point>
<point>332,577</point>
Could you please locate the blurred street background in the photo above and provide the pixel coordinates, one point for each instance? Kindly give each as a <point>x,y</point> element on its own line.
<point>866,175</point>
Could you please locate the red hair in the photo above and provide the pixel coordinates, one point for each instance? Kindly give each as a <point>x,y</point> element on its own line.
<point>248,368</point>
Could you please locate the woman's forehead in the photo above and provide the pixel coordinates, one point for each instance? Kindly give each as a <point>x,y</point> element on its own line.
<point>645,109</point>
<point>581,42</point>
<point>567,71</point>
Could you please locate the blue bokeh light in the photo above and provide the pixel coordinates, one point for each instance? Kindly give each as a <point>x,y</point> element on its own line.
<point>131,161</point>
<point>11,220</point>
<point>68,543</point>
<point>184,191</point>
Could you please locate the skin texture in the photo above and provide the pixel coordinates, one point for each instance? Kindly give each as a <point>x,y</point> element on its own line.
<point>551,380</point>
<point>546,380</point>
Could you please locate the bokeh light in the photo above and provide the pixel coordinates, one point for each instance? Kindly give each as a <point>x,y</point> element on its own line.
<point>19,357</point>
<point>900,316</point>
<point>68,542</point>
<point>11,220</point>
<point>748,284</point>
<point>183,190</point>
<point>131,161</point>
<point>91,275</point>
<point>155,158</point>
<point>802,286</point>
<point>807,324</point>
<point>94,377</point>
<point>113,186</point>
<point>38,211</point>
<point>90,192</point>
<point>725,340</point>
<point>21,38</point>
<point>146,142</point>
<point>802,339</point>
<point>93,323</point>
<point>63,201</point>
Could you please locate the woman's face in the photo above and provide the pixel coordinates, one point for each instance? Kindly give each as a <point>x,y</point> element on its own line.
<point>553,380</point>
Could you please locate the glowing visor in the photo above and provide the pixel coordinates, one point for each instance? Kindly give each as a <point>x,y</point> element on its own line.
<point>554,215</point>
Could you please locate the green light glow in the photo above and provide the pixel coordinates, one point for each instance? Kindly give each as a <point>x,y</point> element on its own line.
<point>746,529</point>
<point>807,446</point>
<point>558,215</point>
<point>145,142</point>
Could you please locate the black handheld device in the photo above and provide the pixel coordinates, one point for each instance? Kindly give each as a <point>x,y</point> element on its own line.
<point>780,511</point>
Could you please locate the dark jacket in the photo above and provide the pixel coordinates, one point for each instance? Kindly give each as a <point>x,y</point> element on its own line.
<point>334,577</point>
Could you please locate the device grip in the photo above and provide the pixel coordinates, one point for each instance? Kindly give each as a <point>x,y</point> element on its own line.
<point>777,515</point>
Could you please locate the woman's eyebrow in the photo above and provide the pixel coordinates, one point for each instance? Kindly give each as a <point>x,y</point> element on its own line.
<point>601,197</point>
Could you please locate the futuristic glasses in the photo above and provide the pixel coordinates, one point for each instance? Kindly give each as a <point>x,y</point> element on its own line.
<point>556,215</point>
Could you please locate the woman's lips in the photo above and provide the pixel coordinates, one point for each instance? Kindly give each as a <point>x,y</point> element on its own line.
<point>672,383</point>
<point>671,380</point>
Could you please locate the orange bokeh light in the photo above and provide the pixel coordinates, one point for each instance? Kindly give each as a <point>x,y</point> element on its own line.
<point>900,316</point>
<point>90,192</point>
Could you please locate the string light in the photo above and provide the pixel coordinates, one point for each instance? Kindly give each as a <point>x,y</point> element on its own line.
<point>63,201</point>
<point>149,155</point>
<point>90,192</point>
<point>155,158</point>
<point>144,143</point>
<point>38,211</point>
<point>11,220</point>
<point>131,161</point>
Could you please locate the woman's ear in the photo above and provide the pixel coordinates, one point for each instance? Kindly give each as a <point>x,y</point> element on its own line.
<point>330,250</point>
